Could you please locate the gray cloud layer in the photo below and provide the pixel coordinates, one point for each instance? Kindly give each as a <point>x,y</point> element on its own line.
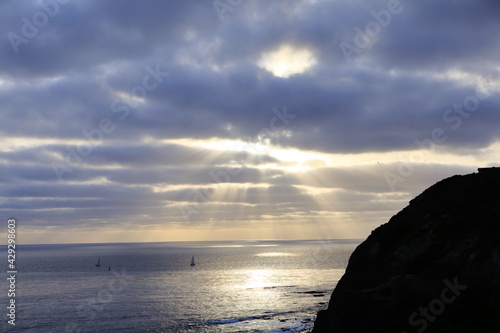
<point>75,68</point>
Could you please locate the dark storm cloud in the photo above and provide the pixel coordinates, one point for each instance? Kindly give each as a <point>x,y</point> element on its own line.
<point>92,59</point>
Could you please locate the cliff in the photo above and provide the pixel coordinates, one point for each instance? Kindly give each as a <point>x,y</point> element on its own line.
<point>434,267</point>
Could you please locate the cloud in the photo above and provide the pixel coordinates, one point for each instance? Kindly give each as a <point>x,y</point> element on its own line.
<point>316,142</point>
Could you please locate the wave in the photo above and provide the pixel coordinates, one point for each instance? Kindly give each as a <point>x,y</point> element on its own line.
<point>279,322</point>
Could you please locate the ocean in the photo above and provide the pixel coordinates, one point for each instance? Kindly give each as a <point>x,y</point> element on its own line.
<point>246,286</point>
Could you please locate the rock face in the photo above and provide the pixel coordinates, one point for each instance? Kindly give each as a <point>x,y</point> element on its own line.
<point>434,267</point>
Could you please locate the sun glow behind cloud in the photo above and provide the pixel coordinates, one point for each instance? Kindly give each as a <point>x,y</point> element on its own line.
<point>294,159</point>
<point>287,60</point>
<point>328,203</point>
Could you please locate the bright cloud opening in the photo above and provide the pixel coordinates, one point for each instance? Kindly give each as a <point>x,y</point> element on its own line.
<point>287,61</point>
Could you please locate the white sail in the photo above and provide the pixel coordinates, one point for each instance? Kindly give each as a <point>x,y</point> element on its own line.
<point>192,261</point>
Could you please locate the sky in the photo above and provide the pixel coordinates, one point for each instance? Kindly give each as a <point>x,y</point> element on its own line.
<point>137,121</point>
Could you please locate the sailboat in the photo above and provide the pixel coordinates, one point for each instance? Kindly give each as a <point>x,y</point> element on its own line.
<point>98,263</point>
<point>192,261</point>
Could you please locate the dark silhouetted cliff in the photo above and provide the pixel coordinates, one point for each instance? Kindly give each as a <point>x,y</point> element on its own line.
<point>434,267</point>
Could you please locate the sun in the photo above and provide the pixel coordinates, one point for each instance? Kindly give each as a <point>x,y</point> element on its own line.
<point>287,60</point>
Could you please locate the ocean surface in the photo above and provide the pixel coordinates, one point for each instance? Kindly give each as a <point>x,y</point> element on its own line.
<point>258,286</point>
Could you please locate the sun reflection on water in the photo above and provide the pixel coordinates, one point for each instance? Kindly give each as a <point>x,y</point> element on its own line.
<point>275,254</point>
<point>258,278</point>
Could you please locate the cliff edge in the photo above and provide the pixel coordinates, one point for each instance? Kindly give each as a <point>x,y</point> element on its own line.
<point>434,267</point>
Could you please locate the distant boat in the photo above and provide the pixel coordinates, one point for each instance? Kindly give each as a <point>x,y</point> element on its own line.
<point>192,261</point>
<point>98,263</point>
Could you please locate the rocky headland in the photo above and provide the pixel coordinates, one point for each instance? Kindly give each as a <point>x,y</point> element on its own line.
<point>434,267</point>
